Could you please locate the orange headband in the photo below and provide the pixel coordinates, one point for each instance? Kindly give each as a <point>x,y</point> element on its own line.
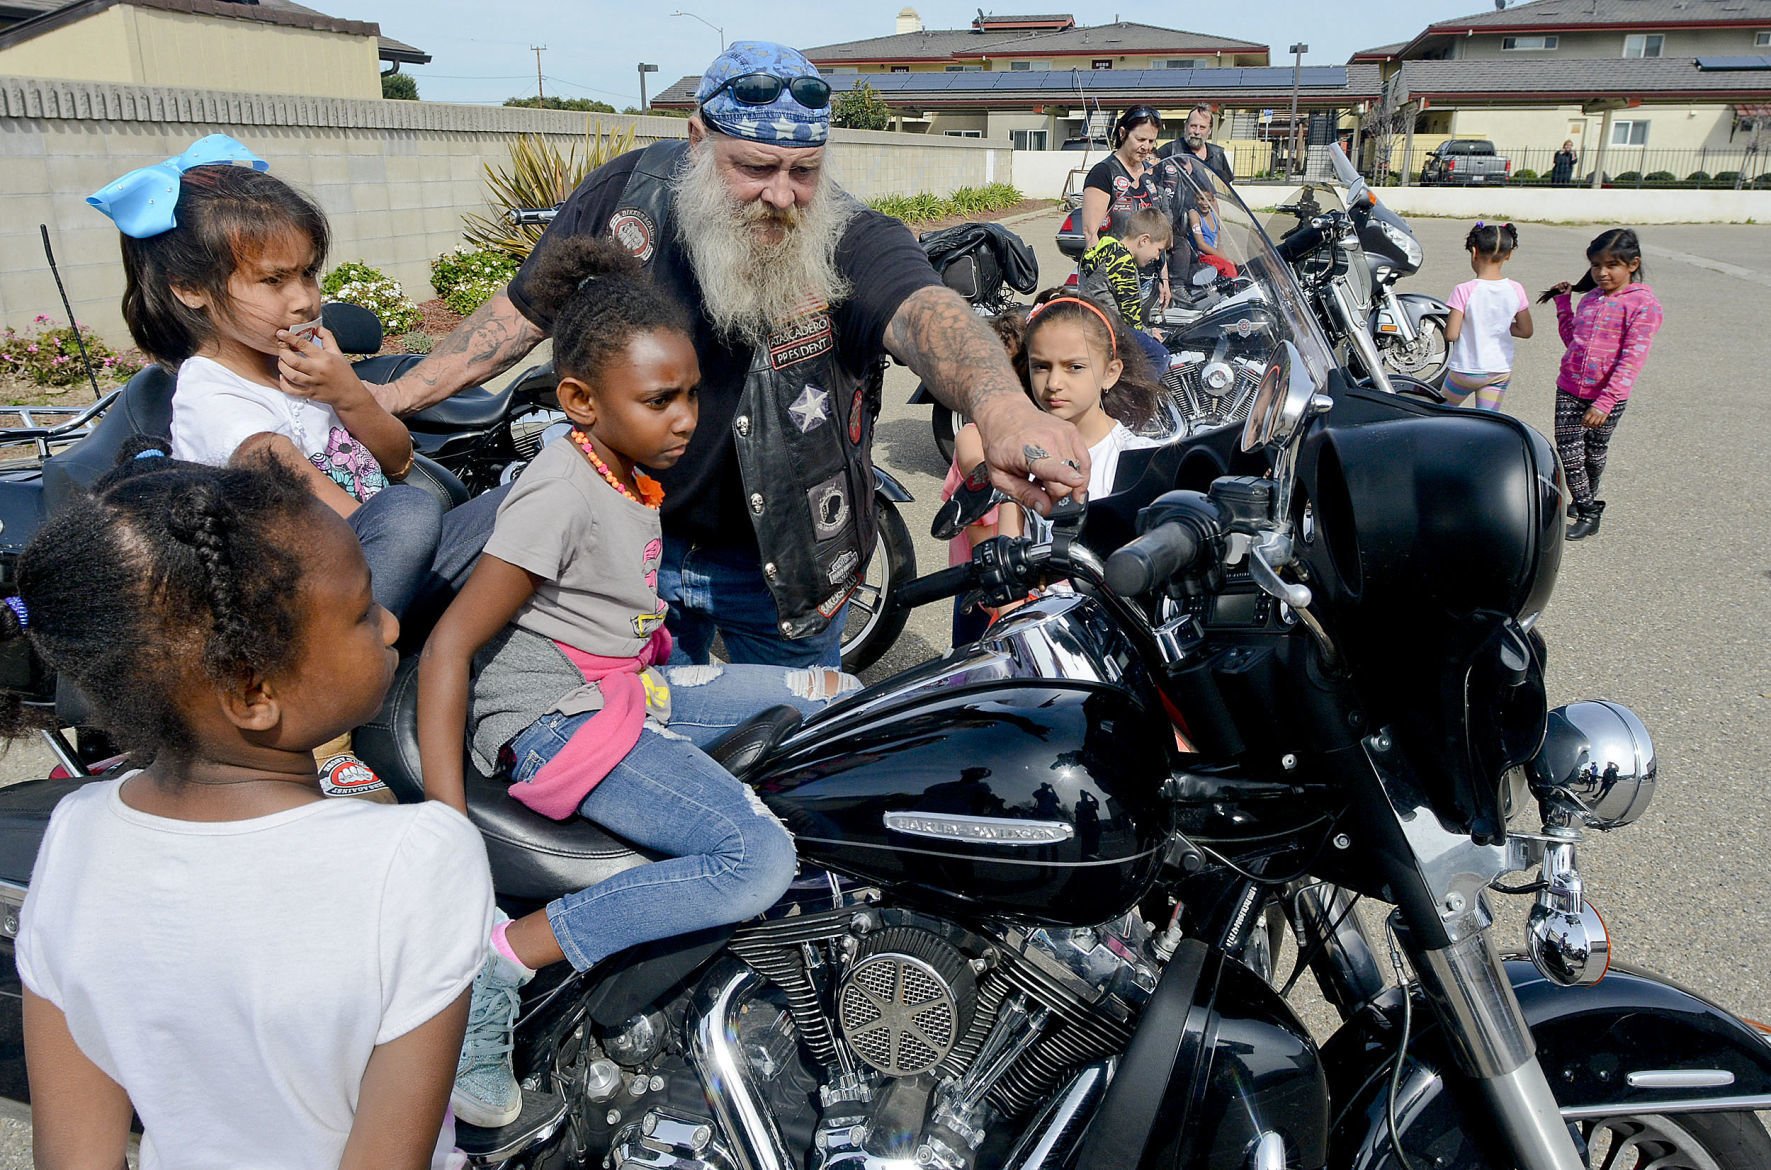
<point>1112,337</point>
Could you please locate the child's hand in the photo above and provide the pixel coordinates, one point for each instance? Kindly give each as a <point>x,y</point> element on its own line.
<point>1594,418</point>
<point>315,369</point>
<point>1561,288</point>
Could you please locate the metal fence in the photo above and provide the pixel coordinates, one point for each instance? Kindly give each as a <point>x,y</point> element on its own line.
<point>1746,166</point>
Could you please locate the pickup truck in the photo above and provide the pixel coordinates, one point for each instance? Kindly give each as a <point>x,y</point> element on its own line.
<point>1465,162</point>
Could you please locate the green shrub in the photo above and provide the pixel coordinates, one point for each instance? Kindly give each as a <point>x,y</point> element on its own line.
<point>400,87</point>
<point>1728,177</point>
<point>966,201</point>
<point>357,283</point>
<point>1527,175</point>
<point>418,342</point>
<point>1660,177</point>
<point>860,108</point>
<point>587,105</point>
<point>49,355</point>
<point>467,277</point>
<point>1698,177</point>
<point>1628,177</point>
<point>1762,182</point>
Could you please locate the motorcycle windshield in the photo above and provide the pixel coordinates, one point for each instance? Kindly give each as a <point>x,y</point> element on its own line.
<point>1261,278</point>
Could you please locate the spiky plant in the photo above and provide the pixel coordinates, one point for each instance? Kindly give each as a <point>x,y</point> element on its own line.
<point>540,174</point>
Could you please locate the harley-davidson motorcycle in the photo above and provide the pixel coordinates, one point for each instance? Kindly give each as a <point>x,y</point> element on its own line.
<point>1040,877</point>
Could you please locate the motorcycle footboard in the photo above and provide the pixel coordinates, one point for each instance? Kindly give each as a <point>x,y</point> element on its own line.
<point>1218,1065</point>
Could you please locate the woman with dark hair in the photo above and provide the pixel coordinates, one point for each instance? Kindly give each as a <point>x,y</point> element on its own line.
<point>1123,183</point>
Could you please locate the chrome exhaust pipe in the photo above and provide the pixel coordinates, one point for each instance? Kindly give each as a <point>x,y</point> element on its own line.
<point>747,1122</point>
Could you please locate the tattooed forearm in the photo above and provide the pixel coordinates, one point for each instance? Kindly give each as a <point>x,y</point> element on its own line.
<point>485,345</point>
<point>950,348</point>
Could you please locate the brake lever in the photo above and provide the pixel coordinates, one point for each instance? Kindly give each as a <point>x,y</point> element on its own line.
<point>1269,551</point>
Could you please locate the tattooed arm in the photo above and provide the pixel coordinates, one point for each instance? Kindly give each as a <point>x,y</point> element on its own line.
<point>937,335</point>
<point>485,345</point>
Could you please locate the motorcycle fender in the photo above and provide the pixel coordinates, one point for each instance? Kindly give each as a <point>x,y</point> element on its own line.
<point>884,485</point>
<point>1633,1043</point>
<point>921,396</point>
<point>1420,306</point>
<point>1218,1066</point>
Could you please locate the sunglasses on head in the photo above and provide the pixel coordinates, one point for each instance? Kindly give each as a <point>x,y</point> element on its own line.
<point>761,89</point>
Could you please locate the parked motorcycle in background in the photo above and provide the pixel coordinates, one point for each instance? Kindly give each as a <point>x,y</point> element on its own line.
<point>1349,250</point>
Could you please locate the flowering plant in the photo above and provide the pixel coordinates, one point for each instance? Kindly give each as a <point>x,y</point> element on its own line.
<point>49,355</point>
<point>467,277</point>
<point>357,283</point>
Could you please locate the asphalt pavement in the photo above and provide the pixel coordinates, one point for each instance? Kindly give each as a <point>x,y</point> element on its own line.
<point>1667,610</point>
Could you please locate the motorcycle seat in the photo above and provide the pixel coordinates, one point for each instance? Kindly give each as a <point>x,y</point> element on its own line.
<point>473,409</point>
<point>533,858</point>
<point>24,818</point>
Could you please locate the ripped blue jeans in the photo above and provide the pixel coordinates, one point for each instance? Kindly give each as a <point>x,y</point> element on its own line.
<point>727,857</point>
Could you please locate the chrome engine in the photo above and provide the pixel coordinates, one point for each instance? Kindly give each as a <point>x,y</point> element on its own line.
<point>924,1039</point>
<point>1212,390</point>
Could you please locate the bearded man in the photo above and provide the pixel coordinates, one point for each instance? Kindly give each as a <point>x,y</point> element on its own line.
<point>797,292</point>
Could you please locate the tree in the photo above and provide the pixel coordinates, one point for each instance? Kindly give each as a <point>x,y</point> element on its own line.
<point>861,108</point>
<point>586,105</point>
<point>399,87</point>
<point>655,112</point>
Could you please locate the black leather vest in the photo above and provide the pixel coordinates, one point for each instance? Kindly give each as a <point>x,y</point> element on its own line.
<point>803,429</point>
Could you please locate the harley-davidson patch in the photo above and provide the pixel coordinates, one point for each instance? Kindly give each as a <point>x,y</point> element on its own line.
<point>804,336</point>
<point>634,230</point>
<point>843,566</point>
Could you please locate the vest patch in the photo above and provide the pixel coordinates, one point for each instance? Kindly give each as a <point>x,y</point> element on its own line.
<point>810,409</point>
<point>829,502</point>
<point>634,230</point>
<point>802,337</point>
<point>856,409</point>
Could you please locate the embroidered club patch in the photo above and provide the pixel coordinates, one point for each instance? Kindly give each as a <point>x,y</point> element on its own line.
<point>811,408</point>
<point>829,502</point>
<point>855,415</point>
<point>803,336</point>
<point>834,602</point>
<point>634,230</point>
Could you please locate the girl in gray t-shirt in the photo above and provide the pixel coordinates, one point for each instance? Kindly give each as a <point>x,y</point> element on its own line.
<point>561,631</point>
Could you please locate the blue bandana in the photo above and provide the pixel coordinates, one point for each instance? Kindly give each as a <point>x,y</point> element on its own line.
<point>142,201</point>
<point>783,122</point>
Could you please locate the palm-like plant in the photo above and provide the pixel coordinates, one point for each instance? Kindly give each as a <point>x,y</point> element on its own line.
<point>540,175</point>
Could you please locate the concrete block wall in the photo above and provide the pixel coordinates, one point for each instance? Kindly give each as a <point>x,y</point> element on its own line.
<point>394,178</point>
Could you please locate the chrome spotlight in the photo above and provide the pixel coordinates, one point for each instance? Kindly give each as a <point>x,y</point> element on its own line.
<point>1596,766</point>
<point>1564,935</point>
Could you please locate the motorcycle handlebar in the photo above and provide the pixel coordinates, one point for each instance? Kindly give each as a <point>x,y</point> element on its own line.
<point>1149,561</point>
<point>945,583</point>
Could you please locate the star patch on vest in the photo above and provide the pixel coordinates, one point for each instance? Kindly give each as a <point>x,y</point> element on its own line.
<point>805,335</point>
<point>810,409</point>
<point>634,230</point>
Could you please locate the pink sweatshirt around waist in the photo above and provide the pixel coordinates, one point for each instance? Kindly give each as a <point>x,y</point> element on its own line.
<point>604,740</point>
<point>1608,338</point>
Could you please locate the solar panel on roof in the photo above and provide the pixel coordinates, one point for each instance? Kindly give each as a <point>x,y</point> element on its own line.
<point>1732,64</point>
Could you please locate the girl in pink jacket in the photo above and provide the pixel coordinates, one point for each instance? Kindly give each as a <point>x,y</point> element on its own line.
<point>1608,337</point>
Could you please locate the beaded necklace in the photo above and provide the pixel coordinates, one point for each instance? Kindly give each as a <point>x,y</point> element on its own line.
<point>651,491</point>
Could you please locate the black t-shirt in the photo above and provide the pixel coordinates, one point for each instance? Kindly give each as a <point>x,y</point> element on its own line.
<point>1125,196</point>
<point>704,496</point>
<point>1215,158</point>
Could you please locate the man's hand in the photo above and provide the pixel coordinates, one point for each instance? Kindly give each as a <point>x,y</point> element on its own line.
<point>314,368</point>
<point>1034,457</point>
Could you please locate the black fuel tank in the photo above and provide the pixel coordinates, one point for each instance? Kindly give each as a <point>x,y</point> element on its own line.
<point>1029,799</point>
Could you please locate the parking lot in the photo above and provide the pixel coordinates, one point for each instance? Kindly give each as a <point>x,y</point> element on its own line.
<point>1667,610</point>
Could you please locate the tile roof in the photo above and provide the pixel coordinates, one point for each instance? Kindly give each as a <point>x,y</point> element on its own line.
<point>943,44</point>
<point>1608,13</point>
<point>54,13</point>
<point>1651,78</point>
<point>1379,52</point>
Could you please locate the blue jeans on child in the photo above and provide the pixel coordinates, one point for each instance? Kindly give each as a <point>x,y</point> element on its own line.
<point>721,591</point>
<point>416,548</point>
<point>728,858</point>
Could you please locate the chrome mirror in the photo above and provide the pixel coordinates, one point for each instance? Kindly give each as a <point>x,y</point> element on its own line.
<point>1281,400</point>
<point>975,496</point>
<point>1596,766</point>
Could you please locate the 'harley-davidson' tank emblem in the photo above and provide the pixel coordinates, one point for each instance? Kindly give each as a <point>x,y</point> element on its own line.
<point>988,830</point>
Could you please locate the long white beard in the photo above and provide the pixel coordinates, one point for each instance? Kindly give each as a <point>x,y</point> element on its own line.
<point>749,284</point>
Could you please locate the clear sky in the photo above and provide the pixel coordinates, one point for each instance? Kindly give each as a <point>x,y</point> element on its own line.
<point>481,48</point>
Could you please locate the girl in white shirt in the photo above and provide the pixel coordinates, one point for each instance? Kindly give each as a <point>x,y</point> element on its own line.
<point>1486,314</point>
<point>265,977</point>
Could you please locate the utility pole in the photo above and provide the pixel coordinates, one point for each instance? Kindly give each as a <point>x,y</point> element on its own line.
<point>1297,141</point>
<point>538,50</point>
<point>645,69</point>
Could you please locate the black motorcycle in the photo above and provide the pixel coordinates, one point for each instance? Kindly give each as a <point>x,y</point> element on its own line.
<point>1031,924</point>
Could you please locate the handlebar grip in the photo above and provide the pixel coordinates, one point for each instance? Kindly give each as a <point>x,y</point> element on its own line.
<point>1300,242</point>
<point>1147,562</point>
<point>949,582</point>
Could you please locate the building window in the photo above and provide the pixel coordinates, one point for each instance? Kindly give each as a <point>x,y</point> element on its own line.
<point>1762,40</point>
<point>965,69</point>
<point>1174,63</point>
<point>1030,66</point>
<point>900,69</point>
<point>1029,139</point>
<point>1101,63</point>
<point>963,133</point>
<point>1629,133</point>
<point>1643,45</point>
<point>1521,44</point>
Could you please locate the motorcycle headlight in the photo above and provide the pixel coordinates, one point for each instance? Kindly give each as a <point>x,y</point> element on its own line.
<point>1409,246</point>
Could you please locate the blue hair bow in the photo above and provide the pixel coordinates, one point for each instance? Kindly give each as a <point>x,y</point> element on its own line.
<point>141,202</point>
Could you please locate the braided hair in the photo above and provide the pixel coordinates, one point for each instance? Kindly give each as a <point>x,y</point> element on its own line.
<point>167,577</point>
<point>599,297</point>
<point>1131,400</point>
<point>1495,241</point>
